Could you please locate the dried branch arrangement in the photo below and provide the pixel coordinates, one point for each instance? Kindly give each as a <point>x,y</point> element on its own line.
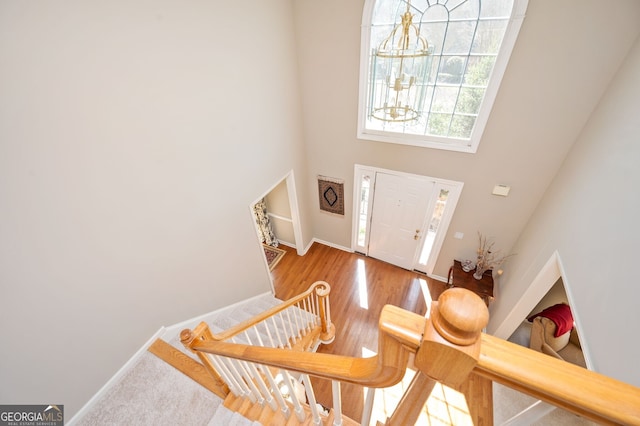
<point>487,258</point>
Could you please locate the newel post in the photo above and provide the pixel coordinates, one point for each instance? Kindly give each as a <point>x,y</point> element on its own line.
<point>322,290</point>
<point>202,332</point>
<point>449,350</point>
<point>451,343</point>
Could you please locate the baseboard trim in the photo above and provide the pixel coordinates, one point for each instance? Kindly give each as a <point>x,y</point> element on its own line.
<point>349,250</point>
<point>286,243</point>
<point>438,278</point>
<point>327,243</point>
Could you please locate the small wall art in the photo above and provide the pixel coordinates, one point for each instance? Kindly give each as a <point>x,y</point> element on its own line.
<point>331,194</point>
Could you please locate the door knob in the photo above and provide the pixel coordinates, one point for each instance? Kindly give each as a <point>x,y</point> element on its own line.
<point>415,237</point>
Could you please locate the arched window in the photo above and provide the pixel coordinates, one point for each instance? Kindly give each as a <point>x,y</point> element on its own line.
<point>430,69</point>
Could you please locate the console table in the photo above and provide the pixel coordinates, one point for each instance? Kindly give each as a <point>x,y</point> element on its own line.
<point>459,278</point>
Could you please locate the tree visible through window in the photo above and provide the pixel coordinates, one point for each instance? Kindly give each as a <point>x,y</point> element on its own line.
<point>469,40</point>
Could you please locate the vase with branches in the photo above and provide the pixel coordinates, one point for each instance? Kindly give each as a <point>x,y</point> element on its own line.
<point>487,258</point>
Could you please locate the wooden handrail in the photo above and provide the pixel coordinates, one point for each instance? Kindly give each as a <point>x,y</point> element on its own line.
<point>573,388</point>
<point>400,334</point>
<point>321,288</point>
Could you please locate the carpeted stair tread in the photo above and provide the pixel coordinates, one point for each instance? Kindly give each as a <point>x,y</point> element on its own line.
<point>229,318</point>
<point>224,319</point>
<point>153,393</point>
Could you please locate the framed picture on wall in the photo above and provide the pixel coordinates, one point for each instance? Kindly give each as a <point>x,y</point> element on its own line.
<point>331,195</point>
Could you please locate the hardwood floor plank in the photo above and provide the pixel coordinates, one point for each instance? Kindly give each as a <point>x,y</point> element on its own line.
<point>360,287</point>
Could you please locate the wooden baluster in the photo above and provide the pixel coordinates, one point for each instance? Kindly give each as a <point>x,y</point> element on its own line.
<point>311,317</point>
<point>312,307</point>
<point>311,399</point>
<point>258,337</point>
<point>449,350</point>
<point>240,372</point>
<point>299,320</point>
<point>284,407</point>
<point>285,331</point>
<point>292,331</point>
<point>275,328</point>
<point>305,301</point>
<point>316,308</point>
<point>246,335</point>
<point>307,308</point>
<point>254,382</point>
<point>296,317</point>
<point>337,403</point>
<point>297,407</point>
<point>266,326</point>
<point>237,377</point>
<point>367,409</point>
<point>312,311</point>
<point>226,374</point>
<point>264,390</point>
<point>412,401</point>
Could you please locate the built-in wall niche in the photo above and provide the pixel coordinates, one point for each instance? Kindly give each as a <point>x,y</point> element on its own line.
<point>556,294</point>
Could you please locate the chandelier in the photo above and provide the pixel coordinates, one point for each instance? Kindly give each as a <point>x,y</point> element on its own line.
<point>399,73</point>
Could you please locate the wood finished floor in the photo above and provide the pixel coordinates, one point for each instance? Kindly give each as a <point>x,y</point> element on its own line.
<point>360,287</point>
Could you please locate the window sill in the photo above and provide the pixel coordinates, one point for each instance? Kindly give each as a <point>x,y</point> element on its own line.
<point>415,140</point>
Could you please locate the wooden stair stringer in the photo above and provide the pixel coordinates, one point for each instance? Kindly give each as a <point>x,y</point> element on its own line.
<point>187,366</point>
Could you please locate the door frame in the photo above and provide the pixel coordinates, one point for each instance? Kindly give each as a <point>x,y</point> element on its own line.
<point>455,189</point>
<point>290,182</point>
<point>362,171</point>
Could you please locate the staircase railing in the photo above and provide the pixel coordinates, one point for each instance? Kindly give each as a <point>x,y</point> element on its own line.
<point>297,318</point>
<point>565,385</point>
<point>297,325</point>
<point>448,347</point>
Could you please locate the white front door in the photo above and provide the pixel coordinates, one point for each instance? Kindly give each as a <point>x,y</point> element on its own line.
<point>398,218</point>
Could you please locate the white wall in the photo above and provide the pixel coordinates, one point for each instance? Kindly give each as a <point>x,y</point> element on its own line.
<point>590,216</point>
<point>133,137</point>
<point>129,157</point>
<point>564,58</point>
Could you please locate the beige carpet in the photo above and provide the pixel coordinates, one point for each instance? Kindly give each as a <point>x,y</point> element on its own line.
<point>153,393</point>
